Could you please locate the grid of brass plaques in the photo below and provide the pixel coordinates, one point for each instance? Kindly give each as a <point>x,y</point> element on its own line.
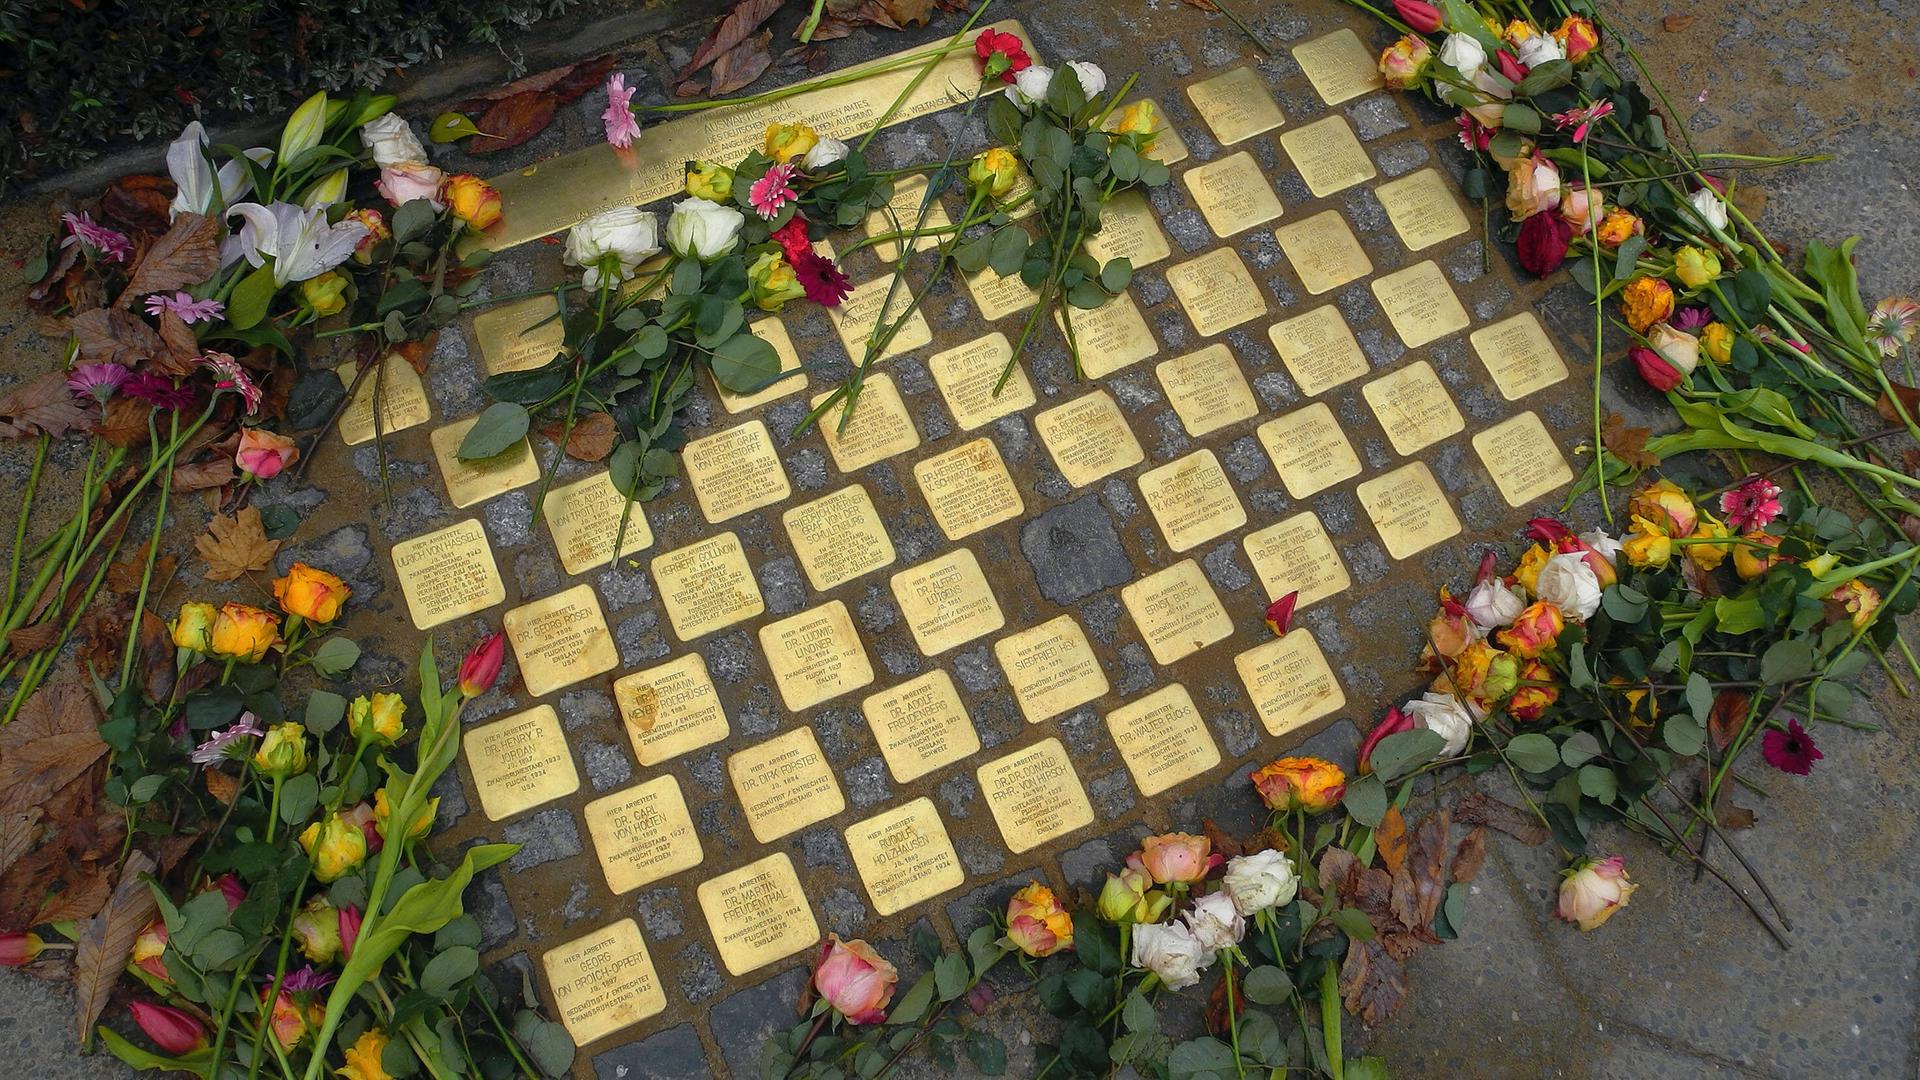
<point>1293,385</point>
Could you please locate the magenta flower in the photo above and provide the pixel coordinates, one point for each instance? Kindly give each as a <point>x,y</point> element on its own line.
<point>1691,319</point>
<point>1790,751</point>
<point>157,390</point>
<point>1752,505</point>
<point>824,282</point>
<point>109,245</point>
<point>622,128</point>
<point>773,191</point>
<point>96,381</point>
<point>229,375</point>
<point>186,307</point>
<point>305,979</point>
<point>1580,120</point>
<point>215,748</point>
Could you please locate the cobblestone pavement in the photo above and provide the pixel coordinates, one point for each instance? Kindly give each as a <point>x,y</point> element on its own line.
<point>1683,984</point>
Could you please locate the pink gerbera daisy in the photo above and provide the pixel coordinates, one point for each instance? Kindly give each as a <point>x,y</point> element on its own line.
<point>1690,319</point>
<point>1891,326</point>
<point>217,745</point>
<point>96,382</point>
<point>306,979</point>
<point>773,191</point>
<point>1752,505</point>
<point>229,375</point>
<point>622,128</point>
<point>1790,751</point>
<point>110,245</point>
<point>1581,120</point>
<point>186,307</point>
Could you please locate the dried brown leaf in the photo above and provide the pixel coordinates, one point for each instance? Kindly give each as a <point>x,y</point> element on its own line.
<point>1391,838</point>
<point>180,352</point>
<point>125,576</point>
<point>1482,809</point>
<point>18,831</point>
<point>419,351</point>
<point>513,121</point>
<point>1216,1017</point>
<point>1469,855</point>
<point>125,422</point>
<point>52,741</point>
<point>1372,983</point>
<point>909,12</point>
<point>155,657</point>
<point>235,545</point>
<point>1727,717</point>
<point>1223,844</point>
<point>742,20</point>
<point>1909,399</point>
<point>139,203</point>
<point>113,336</point>
<point>591,439</point>
<point>1629,444</point>
<point>28,640</point>
<point>740,65</point>
<point>1674,24</point>
<point>1427,859</point>
<point>106,940</point>
<point>566,82</point>
<point>83,897</point>
<point>184,256</point>
<point>41,405</point>
<point>222,787</point>
<point>201,475</point>
<point>831,28</point>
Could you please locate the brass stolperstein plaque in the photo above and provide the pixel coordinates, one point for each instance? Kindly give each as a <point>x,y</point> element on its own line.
<point>1297,555</point>
<point>1111,336</point>
<point>1128,230</point>
<point>1523,459</point>
<point>643,834</point>
<point>904,856</point>
<point>901,214</point>
<point>1088,439</point>
<point>1323,251</point>
<point>1420,304</point>
<point>1319,350</point>
<point>968,489</point>
<point>1207,390</point>
<point>1339,65</point>
<point>1413,407</point>
<point>403,400</point>
<point>670,709</point>
<point>1409,509</point>
<point>1034,795</point>
<point>734,471</point>
<point>816,656</point>
<point>785,784</point>
<point>584,517</point>
<point>470,482</point>
<point>998,297</point>
<point>838,537</point>
<point>1236,105</point>
<point>758,914</point>
<point>1176,611</point>
<point>1232,194</point>
<point>551,196</point>
<point>1328,156</point>
<point>1518,355</point>
<point>946,602</point>
<point>857,315</point>
<point>519,762</point>
<point>706,586</point>
<point>561,639</point>
<point>966,375</point>
<point>1290,682</point>
<point>519,336</point>
<point>1217,291</point>
<point>603,981</point>
<point>1192,500</point>
<point>447,573</point>
<point>1162,739</point>
<point>1422,209</point>
<point>1051,668</point>
<point>792,380</point>
<point>1309,450</point>
<point>920,725</point>
<point>880,428</point>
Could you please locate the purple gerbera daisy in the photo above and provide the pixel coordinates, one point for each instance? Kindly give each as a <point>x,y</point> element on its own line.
<point>215,748</point>
<point>157,390</point>
<point>306,979</point>
<point>186,307</point>
<point>96,382</point>
<point>111,246</point>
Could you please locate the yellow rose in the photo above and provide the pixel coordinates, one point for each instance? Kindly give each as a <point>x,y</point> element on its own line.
<point>325,294</point>
<point>1527,574</point>
<point>382,810</point>
<point>471,199</point>
<point>1708,556</point>
<point>335,845</point>
<point>193,627</point>
<point>1716,340</point>
<point>1855,601</point>
<point>1749,560</point>
<point>788,141</point>
<point>241,632</point>
<point>363,1058</point>
<point>709,180</point>
<point>1821,564</point>
<point>1646,546</point>
<point>314,595</point>
<point>1666,506</point>
<point>1646,300</point>
<point>1299,783</point>
<point>994,172</point>
<point>377,720</point>
<point>1142,121</point>
<point>282,750</point>
<point>1695,266</point>
<point>1518,31</point>
<point>774,282</point>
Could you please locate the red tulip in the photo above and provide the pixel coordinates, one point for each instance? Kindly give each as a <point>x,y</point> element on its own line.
<point>18,949</point>
<point>482,666</point>
<point>1510,66</point>
<point>349,930</point>
<point>1543,243</point>
<point>1419,15</point>
<point>1280,613</point>
<point>174,1031</point>
<point>231,888</point>
<point>1546,530</point>
<point>1654,368</point>
<point>1395,722</point>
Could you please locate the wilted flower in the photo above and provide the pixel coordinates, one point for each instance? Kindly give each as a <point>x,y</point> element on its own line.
<point>95,382</point>
<point>289,1022</point>
<point>1527,572</point>
<point>854,979</point>
<point>709,180</point>
<point>1582,206</point>
<point>621,126</point>
<point>773,281</point>
<point>1570,584</point>
<point>1537,630</point>
<point>109,244</point>
<point>784,142</point>
<point>1176,858</point>
<point>150,950</point>
<point>1129,897</point>
<point>19,948</point>
<point>1754,557</point>
<point>1543,242</point>
<point>262,454</point>
<point>1790,751</point>
<point>1532,699</point>
<point>229,375</point>
<point>1260,880</point>
<point>377,719</point>
<point>703,230</point>
<point>1170,951</point>
<point>192,628</point>
<point>1892,323</point>
<point>611,244</point>
<point>365,1059</point>
<point>1403,62</point>
<point>1395,722</point>
<point>1665,504</point>
<point>471,199</point>
<point>1752,505</point>
<point>392,142</point>
<point>482,665</point>
<point>1216,921</point>
<point>1279,616</point>
<point>349,929</point>
<point>772,192</point>
<point>1451,629</point>
<point>335,845</point>
<point>1445,716</point>
<point>316,929</point>
<point>1312,784</point>
<point>407,182</point>
<point>1695,266</point>
<point>1036,923</point>
<point>1475,135</point>
<point>282,751</point>
<point>1581,120</point>
<point>1646,300</point>
<point>183,305</point>
<point>1716,340</point>
<point>377,230</point>
<point>1592,890</point>
<point>242,632</point>
<point>304,979</point>
<point>1854,601</point>
<point>1654,369</point>
<point>220,744</point>
<point>1464,54</point>
<point>823,282</point>
<point>383,812</point>
<point>1616,226</point>
<point>174,1031</point>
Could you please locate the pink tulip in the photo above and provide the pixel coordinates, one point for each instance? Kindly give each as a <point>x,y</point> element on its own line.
<point>17,949</point>
<point>174,1031</point>
<point>854,979</point>
<point>349,930</point>
<point>1419,14</point>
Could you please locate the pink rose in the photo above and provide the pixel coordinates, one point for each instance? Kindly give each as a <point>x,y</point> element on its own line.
<point>406,181</point>
<point>854,979</point>
<point>262,454</point>
<point>1175,857</point>
<point>1593,890</point>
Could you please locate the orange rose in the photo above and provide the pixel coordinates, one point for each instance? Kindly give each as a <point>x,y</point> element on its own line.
<point>245,633</point>
<point>1617,225</point>
<point>1750,561</point>
<point>1036,923</point>
<point>314,595</point>
<point>471,199</point>
<point>1531,701</point>
<point>1535,631</point>
<point>1175,857</point>
<point>1646,300</point>
<point>1300,783</point>
<point>262,453</point>
<point>1577,37</point>
<point>1665,505</point>
<point>1855,601</point>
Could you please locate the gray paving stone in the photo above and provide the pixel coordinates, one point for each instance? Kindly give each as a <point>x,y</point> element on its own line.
<point>1074,551</point>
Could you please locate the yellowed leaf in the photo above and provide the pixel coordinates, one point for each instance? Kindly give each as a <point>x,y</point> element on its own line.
<point>235,545</point>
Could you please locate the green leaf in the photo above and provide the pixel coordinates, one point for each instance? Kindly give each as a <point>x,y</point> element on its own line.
<point>449,126</point>
<point>1580,748</point>
<point>1598,782</point>
<point>144,789</point>
<point>1003,120</point>
<point>251,298</point>
<point>1154,173</point>
<point>547,1041</point>
<point>1533,752</point>
<point>1096,943</point>
<point>1268,985</point>
<point>1202,1055</point>
<point>147,1061</point>
<point>279,521</point>
<point>1624,603</point>
<point>500,427</point>
<point>745,363</point>
<point>1699,695</point>
<point>1684,735</point>
<point>1116,275</point>
<point>1628,256</point>
<point>1544,77</point>
<point>1366,800</point>
<point>950,976</point>
<point>325,709</point>
<point>1137,1013</point>
<point>412,219</point>
<point>1403,751</point>
<point>335,656</point>
<point>974,255</point>
<point>1787,661</point>
<point>449,969</point>
<point>298,797</point>
<point>1522,118</point>
<point>913,1004</point>
<point>1124,163</point>
<point>1354,923</point>
<point>987,1052</point>
<point>1367,1068</point>
<point>1064,93</point>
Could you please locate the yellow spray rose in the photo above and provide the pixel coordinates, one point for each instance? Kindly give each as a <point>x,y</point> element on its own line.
<point>1716,340</point>
<point>193,627</point>
<point>314,595</point>
<point>325,294</point>
<point>788,141</point>
<point>282,750</point>
<point>1647,546</point>
<point>241,632</point>
<point>709,180</point>
<point>1696,266</point>
<point>1708,556</point>
<point>363,1058</point>
<point>1140,119</point>
<point>335,845</point>
<point>377,719</point>
<point>382,810</point>
<point>773,282</point>
<point>994,172</point>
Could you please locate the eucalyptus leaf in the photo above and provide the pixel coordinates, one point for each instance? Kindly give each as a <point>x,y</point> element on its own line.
<point>745,363</point>
<point>501,426</point>
<point>1533,752</point>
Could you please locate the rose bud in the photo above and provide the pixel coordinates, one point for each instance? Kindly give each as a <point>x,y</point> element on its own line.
<point>262,454</point>
<point>349,930</point>
<point>1393,723</point>
<point>1655,370</point>
<point>1592,890</point>
<point>1129,897</point>
<point>854,979</point>
<point>1036,923</point>
<point>243,632</point>
<point>174,1031</point>
<point>314,595</point>
<point>1419,14</point>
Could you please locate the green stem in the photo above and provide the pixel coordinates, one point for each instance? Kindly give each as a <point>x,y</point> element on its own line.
<point>146,573</point>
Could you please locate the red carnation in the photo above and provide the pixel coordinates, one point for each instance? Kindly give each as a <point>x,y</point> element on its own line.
<point>1543,243</point>
<point>1001,54</point>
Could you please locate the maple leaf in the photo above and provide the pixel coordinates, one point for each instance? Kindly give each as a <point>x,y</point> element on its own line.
<point>235,545</point>
<point>52,741</point>
<point>1629,444</point>
<point>41,405</point>
<point>184,256</point>
<point>105,941</point>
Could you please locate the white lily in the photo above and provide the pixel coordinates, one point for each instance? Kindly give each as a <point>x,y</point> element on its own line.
<point>300,242</point>
<point>199,185</point>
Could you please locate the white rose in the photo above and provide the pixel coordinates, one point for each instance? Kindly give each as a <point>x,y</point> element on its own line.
<point>1261,880</point>
<point>1092,79</point>
<point>1492,84</point>
<point>1607,547</point>
<point>1216,922</point>
<point>1568,583</point>
<point>1030,86</point>
<point>624,234</point>
<point>703,230</point>
<point>1170,951</point>
<point>827,151</point>
<point>1443,715</point>
<point>392,141</point>
<point>1539,49</point>
<point>1706,203</point>
<point>1464,54</point>
<point>1493,603</point>
<point>1678,347</point>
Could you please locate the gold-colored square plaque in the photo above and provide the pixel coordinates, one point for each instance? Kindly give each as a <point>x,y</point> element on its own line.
<point>1522,456</point>
<point>1236,105</point>
<point>947,601</point>
<point>1339,65</point>
<point>998,297</point>
<point>1518,355</point>
<point>670,709</point>
<point>785,784</point>
<point>1162,739</point>
<point>1323,251</point>
<point>1034,795</point>
<point>707,585</point>
<point>1413,407</point>
<point>584,517</point>
<point>1297,555</point>
<point>1192,500</point>
<point>968,489</point>
<point>774,332</point>
<point>1051,668</point>
<point>921,725</point>
<point>904,856</point>
<point>1409,509</point>
<point>1176,611</point>
<point>1207,390</point>
<point>758,914</point>
<point>470,482</point>
<point>856,316</point>
<point>1328,156</point>
<point>902,214</point>
<point>561,639</point>
<point>1111,336</point>
<point>816,655</point>
<point>735,471</point>
<point>447,573</point>
<point>1217,291</point>
<point>881,426</point>
<point>603,981</point>
<point>643,834</point>
<point>403,400</point>
<point>1168,147</point>
<point>1128,230</point>
<point>521,335</point>
<point>838,537</point>
<point>1422,209</point>
<point>1232,194</point>
<point>519,762</point>
<point>1088,438</point>
<point>1319,350</point>
<point>1420,304</point>
<point>966,375</point>
<point>1290,682</point>
<point>1309,450</point>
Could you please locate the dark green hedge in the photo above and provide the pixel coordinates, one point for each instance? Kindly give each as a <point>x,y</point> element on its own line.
<point>79,75</point>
